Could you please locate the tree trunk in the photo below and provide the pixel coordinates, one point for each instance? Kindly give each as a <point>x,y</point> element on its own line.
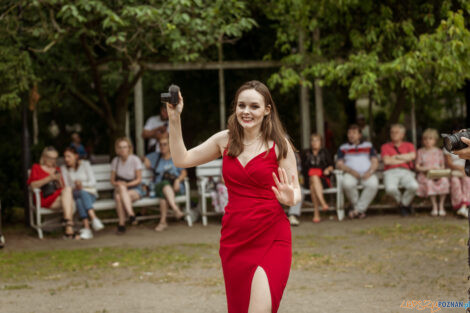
<point>396,112</point>
<point>319,111</point>
<point>467,103</point>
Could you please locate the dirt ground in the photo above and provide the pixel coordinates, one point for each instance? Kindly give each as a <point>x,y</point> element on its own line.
<point>369,265</point>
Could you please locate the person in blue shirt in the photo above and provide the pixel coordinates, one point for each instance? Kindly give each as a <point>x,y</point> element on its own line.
<point>77,145</point>
<point>168,180</point>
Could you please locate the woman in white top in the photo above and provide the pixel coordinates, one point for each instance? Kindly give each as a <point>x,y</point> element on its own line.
<point>79,176</point>
<point>126,177</point>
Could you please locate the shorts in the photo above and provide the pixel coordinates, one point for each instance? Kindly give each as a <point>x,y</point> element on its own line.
<point>139,190</point>
<point>159,189</point>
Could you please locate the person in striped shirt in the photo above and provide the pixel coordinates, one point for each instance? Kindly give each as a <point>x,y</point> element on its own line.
<point>359,162</point>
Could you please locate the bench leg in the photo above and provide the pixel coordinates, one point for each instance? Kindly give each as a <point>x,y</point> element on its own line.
<point>39,224</point>
<point>188,210</point>
<point>204,209</point>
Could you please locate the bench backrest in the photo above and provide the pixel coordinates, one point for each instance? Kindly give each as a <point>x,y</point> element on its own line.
<point>210,169</point>
<point>103,176</point>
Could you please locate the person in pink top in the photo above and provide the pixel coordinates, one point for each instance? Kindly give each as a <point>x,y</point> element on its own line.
<point>429,158</point>
<point>398,156</point>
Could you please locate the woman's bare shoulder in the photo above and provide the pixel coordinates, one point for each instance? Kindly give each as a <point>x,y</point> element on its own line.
<point>221,138</point>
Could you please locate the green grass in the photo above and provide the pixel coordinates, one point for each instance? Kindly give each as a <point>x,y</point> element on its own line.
<point>23,265</point>
<point>399,231</point>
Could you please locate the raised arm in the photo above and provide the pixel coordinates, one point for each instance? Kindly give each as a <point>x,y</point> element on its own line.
<point>203,153</point>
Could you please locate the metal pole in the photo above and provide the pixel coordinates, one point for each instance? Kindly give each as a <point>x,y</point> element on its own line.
<point>139,114</point>
<point>304,102</point>
<point>221,88</point>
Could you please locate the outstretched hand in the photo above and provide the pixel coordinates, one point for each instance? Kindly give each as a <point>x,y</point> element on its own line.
<point>284,189</point>
<point>174,111</point>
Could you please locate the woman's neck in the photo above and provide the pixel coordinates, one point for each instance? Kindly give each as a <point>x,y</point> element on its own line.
<point>251,134</point>
<point>124,157</point>
<point>166,156</point>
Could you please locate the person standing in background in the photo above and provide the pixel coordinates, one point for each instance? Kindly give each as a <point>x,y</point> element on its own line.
<point>154,129</point>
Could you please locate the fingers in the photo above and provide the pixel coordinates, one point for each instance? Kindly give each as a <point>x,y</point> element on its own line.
<point>276,181</point>
<point>465,140</point>
<point>276,192</point>
<point>281,175</point>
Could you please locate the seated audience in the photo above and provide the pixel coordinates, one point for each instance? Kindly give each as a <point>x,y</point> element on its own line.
<point>459,184</point>
<point>54,195</point>
<point>317,167</point>
<point>428,158</point>
<point>77,145</point>
<point>79,176</point>
<point>126,177</point>
<point>359,162</point>
<point>398,156</point>
<point>169,180</point>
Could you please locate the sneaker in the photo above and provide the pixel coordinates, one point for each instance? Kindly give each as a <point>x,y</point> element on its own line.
<point>463,211</point>
<point>293,220</point>
<point>434,212</point>
<point>404,211</point>
<point>85,233</point>
<point>97,224</point>
<point>442,212</point>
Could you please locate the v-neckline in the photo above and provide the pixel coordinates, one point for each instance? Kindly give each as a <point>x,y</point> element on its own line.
<point>244,167</point>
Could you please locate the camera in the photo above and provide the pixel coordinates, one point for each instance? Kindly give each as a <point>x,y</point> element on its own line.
<point>453,142</point>
<point>171,96</point>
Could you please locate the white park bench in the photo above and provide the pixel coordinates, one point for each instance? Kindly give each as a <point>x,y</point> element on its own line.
<point>102,174</point>
<point>213,170</point>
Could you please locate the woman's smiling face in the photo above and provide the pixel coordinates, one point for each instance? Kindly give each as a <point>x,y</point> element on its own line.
<point>251,109</point>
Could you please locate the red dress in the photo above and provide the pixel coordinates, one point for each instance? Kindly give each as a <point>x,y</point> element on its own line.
<point>37,173</point>
<point>255,231</point>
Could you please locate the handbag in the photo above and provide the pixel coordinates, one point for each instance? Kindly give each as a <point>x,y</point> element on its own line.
<point>435,174</point>
<point>49,189</point>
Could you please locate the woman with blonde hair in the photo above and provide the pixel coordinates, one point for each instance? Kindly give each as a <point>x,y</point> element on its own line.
<point>260,172</point>
<point>126,177</point>
<point>428,158</point>
<point>54,195</point>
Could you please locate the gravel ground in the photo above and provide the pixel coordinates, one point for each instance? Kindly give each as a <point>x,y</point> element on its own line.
<point>369,265</point>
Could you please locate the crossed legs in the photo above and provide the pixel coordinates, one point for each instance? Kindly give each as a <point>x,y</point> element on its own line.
<point>124,199</point>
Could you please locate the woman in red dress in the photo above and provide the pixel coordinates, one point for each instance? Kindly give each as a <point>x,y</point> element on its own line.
<point>46,176</point>
<point>260,172</point>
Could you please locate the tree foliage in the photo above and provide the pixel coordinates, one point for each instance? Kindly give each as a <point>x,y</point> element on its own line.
<point>95,50</point>
<point>376,47</point>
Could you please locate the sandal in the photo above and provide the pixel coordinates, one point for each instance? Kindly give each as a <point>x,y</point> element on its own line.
<point>316,220</point>
<point>132,220</point>
<point>161,227</point>
<point>353,214</point>
<point>179,216</point>
<point>74,234</point>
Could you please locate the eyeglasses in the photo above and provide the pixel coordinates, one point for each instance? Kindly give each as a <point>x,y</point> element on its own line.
<point>164,144</point>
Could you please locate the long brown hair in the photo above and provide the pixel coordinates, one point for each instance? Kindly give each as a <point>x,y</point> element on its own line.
<point>271,127</point>
<point>74,152</point>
